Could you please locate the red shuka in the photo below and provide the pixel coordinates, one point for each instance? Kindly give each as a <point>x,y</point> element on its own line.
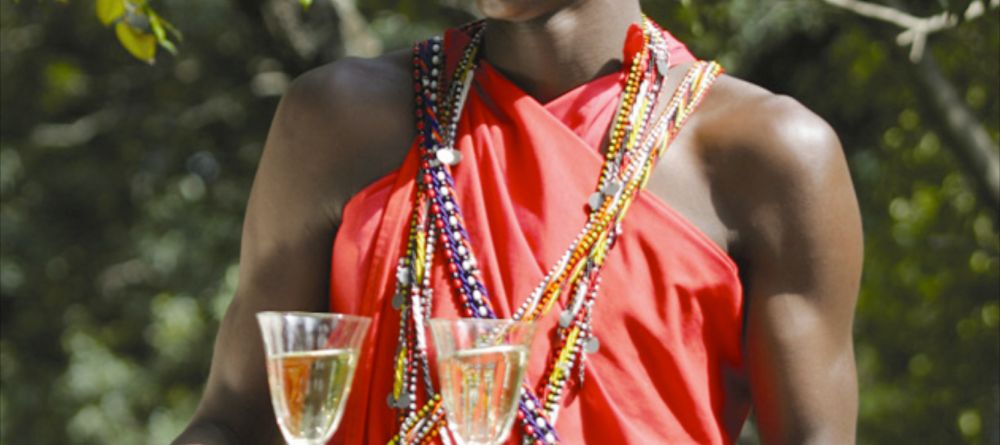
<point>669,313</point>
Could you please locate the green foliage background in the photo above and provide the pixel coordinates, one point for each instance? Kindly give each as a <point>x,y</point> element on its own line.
<point>123,187</point>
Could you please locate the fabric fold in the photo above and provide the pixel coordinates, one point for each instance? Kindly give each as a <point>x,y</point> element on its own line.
<point>669,314</point>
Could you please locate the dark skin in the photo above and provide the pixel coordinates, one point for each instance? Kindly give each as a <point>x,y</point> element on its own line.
<point>758,173</point>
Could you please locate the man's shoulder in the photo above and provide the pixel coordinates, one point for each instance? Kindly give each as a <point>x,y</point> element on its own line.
<point>353,90</point>
<point>341,126</point>
<point>766,156</point>
<point>747,121</point>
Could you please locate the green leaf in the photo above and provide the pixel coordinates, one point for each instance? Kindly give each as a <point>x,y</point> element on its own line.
<point>169,27</point>
<point>141,45</point>
<point>169,46</point>
<point>156,25</point>
<point>108,11</point>
<point>305,3</point>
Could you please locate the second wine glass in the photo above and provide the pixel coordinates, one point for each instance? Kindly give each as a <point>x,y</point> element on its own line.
<point>481,365</point>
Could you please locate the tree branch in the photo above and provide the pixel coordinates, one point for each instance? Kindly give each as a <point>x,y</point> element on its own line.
<point>916,29</point>
<point>358,37</point>
<point>973,144</point>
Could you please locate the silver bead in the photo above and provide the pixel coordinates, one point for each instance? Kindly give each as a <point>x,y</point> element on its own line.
<point>565,318</point>
<point>397,301</point>
<point>595,200</point>
<point>612,187</point>
<point>592,345</point>
<point>403,275</point>
<point>449,156</point>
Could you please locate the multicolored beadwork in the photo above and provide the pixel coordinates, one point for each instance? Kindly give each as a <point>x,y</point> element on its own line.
<point>639,134</point>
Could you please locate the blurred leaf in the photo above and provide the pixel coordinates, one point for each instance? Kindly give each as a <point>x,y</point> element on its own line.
<point>141,45</point>
<point>168,26</point>
<point>156,25</point>
<point>108,11</point>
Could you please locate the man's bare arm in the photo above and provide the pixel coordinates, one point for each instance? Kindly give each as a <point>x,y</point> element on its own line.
<point>800,245</point>
<point>319,152</point>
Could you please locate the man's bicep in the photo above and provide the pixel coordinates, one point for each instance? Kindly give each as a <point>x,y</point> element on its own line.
<point>284,265</point>
<point>804,263</point>
<point>802,375</point>
<point>285,272</point>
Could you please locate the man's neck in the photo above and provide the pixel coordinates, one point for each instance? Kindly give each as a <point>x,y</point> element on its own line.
<point>551,54</point>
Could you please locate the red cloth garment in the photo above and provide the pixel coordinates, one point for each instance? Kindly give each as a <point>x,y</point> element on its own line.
<point>669,313</point>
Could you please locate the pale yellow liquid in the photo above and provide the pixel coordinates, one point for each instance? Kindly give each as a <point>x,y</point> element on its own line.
<point>309,390</point>
<point>480,389</point>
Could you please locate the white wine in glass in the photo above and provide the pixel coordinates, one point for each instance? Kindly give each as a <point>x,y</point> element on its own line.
<point>481,366</point>
<point>311,359</point>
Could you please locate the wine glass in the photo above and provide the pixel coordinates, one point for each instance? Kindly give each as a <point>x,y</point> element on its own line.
<point>481,366</point>
<point>310,365</point>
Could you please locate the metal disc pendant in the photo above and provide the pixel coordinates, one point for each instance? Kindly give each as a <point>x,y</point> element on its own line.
<point>449,156</point>
<point>592,345</point>
<point>565,318</point>
<point>612,187</point>
<point>595,200</point>
<point>403,401</point>
<point>662,65</point>
<point>397,301</point>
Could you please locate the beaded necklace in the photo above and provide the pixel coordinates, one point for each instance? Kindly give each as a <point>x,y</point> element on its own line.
<point>640,132</point>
